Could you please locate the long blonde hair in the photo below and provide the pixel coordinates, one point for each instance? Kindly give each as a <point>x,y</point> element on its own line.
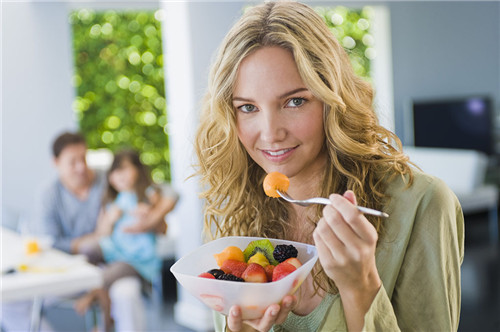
<point>361,153</point>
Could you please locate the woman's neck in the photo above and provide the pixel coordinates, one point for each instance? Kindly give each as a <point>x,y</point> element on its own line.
<point>301,228</point>
<point>308,183</point>
<point>302,187</point>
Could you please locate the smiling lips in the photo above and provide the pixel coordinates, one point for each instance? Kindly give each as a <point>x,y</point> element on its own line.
<point>278,155</point>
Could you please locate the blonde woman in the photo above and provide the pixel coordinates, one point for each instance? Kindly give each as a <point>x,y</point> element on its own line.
<point>283,97</point>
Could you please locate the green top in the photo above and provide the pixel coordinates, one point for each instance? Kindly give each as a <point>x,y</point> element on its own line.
<point>418,258</point>
<point>310,322</point>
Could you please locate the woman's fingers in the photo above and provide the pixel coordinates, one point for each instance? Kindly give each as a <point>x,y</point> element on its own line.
<point>334,222</point>
<point>327,256</point>
<point>267,321</point>
<point>353,217</point>
<point>234,321</point>
<point>327,235</point>
<point>274,314</point>
<point>287,305</point>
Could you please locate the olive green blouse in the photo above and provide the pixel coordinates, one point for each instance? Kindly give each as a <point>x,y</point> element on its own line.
<point>418,258</point>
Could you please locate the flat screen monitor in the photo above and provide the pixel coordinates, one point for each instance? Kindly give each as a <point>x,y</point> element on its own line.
<point>462,123</point>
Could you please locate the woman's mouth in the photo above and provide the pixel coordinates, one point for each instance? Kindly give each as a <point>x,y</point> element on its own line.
<point>278,155</point>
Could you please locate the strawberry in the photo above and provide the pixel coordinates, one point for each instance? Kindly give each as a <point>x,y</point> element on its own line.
<point>254,273</point>
<point>294,261</point>
<point>206,275</point>
<point>282,270</point>
<point>234,267</point>
<point>269,272</point>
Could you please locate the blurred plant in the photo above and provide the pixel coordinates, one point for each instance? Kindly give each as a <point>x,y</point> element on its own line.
<point>120,100</point>
<point>351,27</point>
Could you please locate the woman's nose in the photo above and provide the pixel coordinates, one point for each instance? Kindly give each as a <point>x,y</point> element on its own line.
<point>273,126</point>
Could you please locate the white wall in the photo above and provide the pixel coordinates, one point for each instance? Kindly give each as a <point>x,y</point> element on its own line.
<point>36,96</point>
<point>188,50</point>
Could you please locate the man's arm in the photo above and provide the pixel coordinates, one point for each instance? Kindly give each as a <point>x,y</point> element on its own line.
<point>105,223</point>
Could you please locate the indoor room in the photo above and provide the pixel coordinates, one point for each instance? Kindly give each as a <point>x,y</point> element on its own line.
<point>133,76</point>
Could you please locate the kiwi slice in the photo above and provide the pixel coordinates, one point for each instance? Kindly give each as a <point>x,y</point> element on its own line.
<point>264,246</point>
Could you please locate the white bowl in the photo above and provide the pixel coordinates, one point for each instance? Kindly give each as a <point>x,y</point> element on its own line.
<point>253,298</point>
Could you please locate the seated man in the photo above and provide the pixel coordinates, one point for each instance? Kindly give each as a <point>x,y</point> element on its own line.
<point>67,212</point>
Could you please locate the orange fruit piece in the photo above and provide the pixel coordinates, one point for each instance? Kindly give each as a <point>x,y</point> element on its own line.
<point>231,252</point>
<point>275,181</point>
<point>32,247</point>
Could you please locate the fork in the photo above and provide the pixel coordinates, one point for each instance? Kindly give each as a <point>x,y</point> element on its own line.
<point>325,201</point>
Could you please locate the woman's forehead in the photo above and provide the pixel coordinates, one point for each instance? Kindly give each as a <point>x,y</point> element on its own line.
<point>269,68</point>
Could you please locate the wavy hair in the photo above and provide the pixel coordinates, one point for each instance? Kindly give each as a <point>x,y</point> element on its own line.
<point>362,154</point>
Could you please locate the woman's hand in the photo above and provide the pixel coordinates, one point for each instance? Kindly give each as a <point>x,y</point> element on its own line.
<point>275,314</point>
<point>346,243</point>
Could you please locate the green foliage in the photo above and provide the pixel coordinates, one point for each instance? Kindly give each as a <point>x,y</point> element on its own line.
<point>351,27</point>
<point>120,86</point>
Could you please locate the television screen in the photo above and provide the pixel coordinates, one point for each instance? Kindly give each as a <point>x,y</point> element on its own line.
<point>465,123</point>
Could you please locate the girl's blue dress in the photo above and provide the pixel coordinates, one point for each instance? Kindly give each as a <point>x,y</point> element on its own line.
<point>136,249</point>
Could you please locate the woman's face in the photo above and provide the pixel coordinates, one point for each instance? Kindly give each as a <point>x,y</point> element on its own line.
<point>124,177</point>
<point>279,121</point>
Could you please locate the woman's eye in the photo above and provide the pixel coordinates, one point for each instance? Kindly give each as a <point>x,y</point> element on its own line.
<point>247,108</point>
<point>296,102</point>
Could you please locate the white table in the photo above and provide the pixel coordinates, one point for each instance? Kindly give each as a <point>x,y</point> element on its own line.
<point>49,273</point>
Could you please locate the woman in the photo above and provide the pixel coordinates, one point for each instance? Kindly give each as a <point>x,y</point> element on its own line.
<point>283,97</point>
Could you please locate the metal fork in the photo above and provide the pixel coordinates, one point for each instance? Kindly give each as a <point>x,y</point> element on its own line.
<point>325,201</point>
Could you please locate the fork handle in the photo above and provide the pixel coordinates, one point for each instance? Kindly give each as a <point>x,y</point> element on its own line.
<point>326,201</point>
<point>319,200</point>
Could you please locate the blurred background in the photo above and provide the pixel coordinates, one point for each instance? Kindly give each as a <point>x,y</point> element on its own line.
<point>132,74</point>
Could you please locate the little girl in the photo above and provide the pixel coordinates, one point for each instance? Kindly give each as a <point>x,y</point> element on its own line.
<point>125,254</point>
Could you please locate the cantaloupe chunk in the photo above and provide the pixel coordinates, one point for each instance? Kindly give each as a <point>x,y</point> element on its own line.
<point>275,181</point>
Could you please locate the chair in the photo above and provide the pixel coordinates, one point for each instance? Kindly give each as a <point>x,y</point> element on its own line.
<point>464,172</point>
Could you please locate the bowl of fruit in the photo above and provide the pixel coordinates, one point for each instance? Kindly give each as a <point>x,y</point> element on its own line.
<point>251,272</point>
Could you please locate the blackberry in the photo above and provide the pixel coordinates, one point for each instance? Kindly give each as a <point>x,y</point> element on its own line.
<point>284,251</point>
<point>216,273</point>
<point>229,277</point>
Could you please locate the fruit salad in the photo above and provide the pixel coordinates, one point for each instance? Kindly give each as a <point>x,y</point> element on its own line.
<point>260,262</point>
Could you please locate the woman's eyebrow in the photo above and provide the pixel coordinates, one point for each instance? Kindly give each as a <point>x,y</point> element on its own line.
<point>286,94</point>
<point>236,98</point>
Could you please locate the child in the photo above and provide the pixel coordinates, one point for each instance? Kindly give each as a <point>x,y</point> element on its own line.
<point>125,254</point>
